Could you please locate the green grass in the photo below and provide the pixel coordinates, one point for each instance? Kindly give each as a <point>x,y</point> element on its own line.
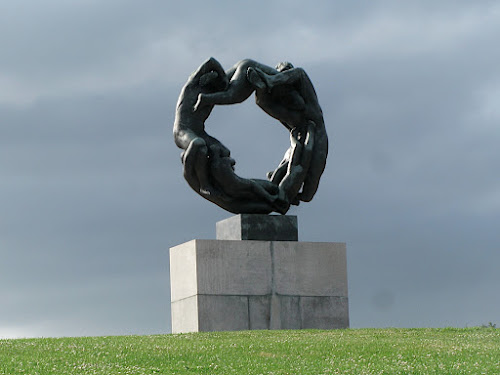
<point>360,351</point>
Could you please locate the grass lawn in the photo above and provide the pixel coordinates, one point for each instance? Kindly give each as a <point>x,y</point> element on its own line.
<point>357,351</point>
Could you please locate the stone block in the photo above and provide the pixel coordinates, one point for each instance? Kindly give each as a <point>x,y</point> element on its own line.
<point>220,285</point>
<point>223,313</point>
<point>220,268</point>
<point>310,268</point>
<point>183,270</point>
<point>259,308</point>
<point>233,267</point>
<point>258,227</point>
<point>324,312</point>
<point>185,315</point>
<point>290,312</point>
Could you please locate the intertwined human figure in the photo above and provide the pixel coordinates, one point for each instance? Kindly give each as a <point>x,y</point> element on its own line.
<point>285,93</point>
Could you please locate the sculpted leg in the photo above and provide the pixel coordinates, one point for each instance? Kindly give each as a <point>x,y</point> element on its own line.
<point>300,161</point>
<point>286,77</point>
<point>279,173</point>
<point>196,166</point>
<point>318,163</point>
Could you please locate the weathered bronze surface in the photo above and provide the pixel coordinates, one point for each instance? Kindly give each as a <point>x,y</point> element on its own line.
<point>285,93</point>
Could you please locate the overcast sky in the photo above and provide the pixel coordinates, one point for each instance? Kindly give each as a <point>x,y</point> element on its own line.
<point>91,188</point>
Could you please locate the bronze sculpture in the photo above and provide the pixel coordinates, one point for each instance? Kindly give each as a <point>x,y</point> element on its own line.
<point>285,93</point>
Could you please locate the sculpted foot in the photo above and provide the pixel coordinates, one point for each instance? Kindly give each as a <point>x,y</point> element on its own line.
<point>255,79</point>
<point>281,205</point>
<point>271,198</point>
<point>265,79</point>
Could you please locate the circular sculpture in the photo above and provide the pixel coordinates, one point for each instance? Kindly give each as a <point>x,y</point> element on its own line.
<point>285,93</point>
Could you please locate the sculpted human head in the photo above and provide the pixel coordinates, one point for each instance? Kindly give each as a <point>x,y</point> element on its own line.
<point>213,81</point>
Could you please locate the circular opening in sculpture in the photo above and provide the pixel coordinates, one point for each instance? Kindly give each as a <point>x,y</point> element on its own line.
<point>256,140</point>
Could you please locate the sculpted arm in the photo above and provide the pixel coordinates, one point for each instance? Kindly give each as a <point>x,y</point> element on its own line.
<point>240,87</point>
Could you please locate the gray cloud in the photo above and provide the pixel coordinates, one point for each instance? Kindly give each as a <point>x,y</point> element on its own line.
<point>91,185</point>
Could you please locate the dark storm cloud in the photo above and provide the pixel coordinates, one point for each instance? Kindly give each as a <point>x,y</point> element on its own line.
<point>91,184</point>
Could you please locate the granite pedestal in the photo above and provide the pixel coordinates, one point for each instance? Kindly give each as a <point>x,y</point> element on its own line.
<point>256,275</point>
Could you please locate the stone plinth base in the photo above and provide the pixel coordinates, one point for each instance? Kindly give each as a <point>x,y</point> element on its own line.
<point>258,227</point>
<point>221,285</point>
